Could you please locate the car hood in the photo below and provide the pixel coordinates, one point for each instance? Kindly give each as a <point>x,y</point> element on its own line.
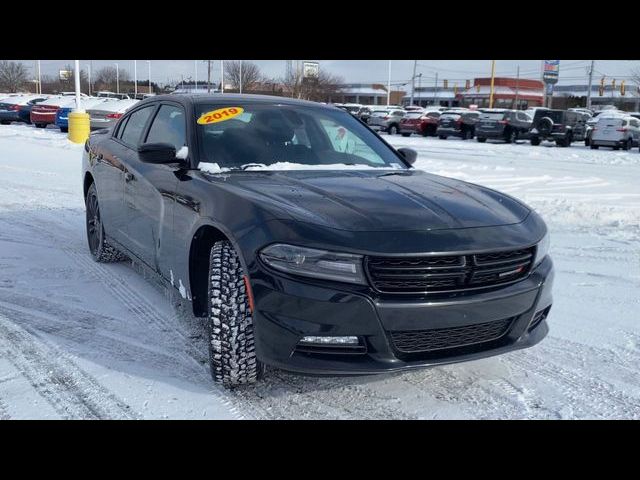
<point>376,201</point>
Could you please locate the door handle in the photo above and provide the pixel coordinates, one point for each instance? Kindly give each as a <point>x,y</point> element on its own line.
<point>128,177</point>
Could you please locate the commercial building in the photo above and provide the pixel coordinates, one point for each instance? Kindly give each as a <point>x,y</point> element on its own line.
<point>569,96</point>
<point>366,94</point>
<point>507,93</point>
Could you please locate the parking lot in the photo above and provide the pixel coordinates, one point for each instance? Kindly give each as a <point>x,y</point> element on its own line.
<point>85,340</point>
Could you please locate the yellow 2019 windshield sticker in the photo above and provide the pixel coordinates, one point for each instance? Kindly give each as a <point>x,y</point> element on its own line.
<point>219,115</point>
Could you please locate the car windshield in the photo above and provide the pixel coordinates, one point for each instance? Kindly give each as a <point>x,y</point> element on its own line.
<point>254,136</point>
<point>413,115</point>
<point>380,113</point>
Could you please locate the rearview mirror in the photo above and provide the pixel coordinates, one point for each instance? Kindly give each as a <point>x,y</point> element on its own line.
<point>409,154</point>
<point>159,153</point>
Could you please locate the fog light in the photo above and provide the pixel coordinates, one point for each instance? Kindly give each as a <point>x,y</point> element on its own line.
<point>330,340</point>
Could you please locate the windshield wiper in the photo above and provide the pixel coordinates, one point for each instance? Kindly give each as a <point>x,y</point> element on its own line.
<point>249,165</point>
<point>403,173</point>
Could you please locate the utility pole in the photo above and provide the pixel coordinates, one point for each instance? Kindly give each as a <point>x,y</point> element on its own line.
<point>39,79</point>
<point>413,81</point>
<point>517,86</point>
<point>420,88</point>
<point>208,76</point>
<point>149,65</point>
<point>493,74</point>
<point>135,78</point>
<point>117,78</point>
<point>435,92</point>
<point>590,83</point>
<point>240,76</point>
<point>195,63</point>
<point>389,85</point>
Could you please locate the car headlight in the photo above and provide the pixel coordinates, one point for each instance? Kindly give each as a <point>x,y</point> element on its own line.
<point>309,262</point>
<point>542,249</point>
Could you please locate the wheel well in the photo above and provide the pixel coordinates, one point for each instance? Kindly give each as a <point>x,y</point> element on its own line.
<point>201,245</point>
<point>88,180</point>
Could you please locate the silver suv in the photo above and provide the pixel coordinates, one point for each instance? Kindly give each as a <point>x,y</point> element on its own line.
<point>386,120</point>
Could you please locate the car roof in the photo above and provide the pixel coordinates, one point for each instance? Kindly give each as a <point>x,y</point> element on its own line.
<point>196,99</point>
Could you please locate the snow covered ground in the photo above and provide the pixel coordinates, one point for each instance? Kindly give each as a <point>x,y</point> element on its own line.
<point>86,340</point>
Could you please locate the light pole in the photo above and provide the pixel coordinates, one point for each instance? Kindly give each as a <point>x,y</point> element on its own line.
<point>221,76</point>
<point>389,85</point>
<point>493,75</point>
<point>89,77</point>
<point>135,78</point>
<point>419,87</point>
<point>77,82</point>
<point>590,83</point>
<point>117,78</point>
<point>413,81</point>
<point>195,62</point>
<point>149,65</point>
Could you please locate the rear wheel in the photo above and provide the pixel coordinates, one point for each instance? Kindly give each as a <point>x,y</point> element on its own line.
<point>535,141</point>
<point>232,353</point>
<point>512,136</point>
<point>64,129</point>
<point>481,140</point>
<point>393,129</point>
<point>628,145</point>
<point>5,122</point>
<point>593,147</point>
<point>442,137</point>
<point>406,134</point>
<point>41,125</point>
<point>99,247</point>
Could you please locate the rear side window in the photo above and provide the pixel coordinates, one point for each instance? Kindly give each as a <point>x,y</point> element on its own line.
<point>132,131</point>
<point>168,127</point>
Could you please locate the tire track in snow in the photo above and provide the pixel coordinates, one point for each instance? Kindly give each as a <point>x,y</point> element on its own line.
<point>73,393</point>
<point>144,312</point>
<point>589,397</point>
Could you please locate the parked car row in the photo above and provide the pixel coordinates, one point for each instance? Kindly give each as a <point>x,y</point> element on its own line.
<point>43,110</point>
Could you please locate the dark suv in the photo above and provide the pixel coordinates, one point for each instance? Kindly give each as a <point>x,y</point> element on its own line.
<point>561,126</point>
<point>304,241</point>
<point>457,123</point>
<point>507,125</point>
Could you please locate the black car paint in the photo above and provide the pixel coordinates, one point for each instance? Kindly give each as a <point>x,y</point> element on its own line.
<point>512,122</point>
<point>155,213</point>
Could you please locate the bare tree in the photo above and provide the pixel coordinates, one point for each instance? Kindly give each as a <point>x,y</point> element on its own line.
<point>13,75</point>
<point>251,75</point>
<point>317,89</point>
<point>106,77</point>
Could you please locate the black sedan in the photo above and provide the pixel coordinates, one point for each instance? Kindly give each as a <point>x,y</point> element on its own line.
<point>308,243</point>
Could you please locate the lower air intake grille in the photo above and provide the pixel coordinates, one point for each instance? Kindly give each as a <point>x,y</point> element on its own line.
<point>443,338</point>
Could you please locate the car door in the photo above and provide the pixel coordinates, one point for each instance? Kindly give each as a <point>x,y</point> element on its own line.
<point>126,143</point>
<point>150,189</point>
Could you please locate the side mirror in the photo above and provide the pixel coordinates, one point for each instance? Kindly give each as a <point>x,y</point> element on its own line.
<point>409,154</point>
<point>159,153</point>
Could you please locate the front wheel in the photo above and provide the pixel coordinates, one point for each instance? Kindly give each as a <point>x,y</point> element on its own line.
<point>481,140</point>
<point>41,125</point>
<point>628,145</point>
<point>442,137</point>
<point>535,141</point>
<point>99,246</point>
<point>232,352</point>
<point>64,129</point>
<point>406,134</point>
<point>393,130</point>
<point>593,147</point>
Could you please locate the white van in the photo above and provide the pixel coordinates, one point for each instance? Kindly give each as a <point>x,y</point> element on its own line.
<point>622,131</point>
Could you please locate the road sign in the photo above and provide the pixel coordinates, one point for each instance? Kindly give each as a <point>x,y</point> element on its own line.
<point>551,71</point>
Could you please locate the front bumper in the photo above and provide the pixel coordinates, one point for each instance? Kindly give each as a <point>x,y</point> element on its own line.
<point>287,309</point>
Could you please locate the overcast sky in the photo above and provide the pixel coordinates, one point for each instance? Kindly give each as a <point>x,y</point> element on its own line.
<point>369,71</point>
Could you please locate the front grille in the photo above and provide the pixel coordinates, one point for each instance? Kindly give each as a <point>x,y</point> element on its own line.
<point>421,341</point>
<point>450,273</point>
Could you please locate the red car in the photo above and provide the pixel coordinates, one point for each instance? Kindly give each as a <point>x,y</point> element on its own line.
<point>44,113</point>
<point>424,123</point>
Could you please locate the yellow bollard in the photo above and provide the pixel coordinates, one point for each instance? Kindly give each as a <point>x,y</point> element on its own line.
<point>78,127</point>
